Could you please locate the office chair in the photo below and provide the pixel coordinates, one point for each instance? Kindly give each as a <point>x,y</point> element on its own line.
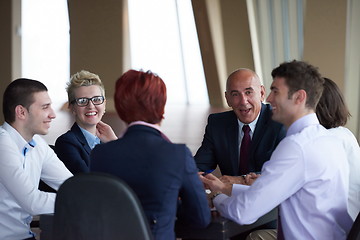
<point>94,206</point>
<point>354,233</point>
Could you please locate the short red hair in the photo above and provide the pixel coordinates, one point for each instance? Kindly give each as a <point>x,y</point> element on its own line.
<point>140,96</point>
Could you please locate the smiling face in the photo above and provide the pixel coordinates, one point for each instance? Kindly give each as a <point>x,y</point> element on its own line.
<point>284,109</point>
<point>88,116</point>
<point>40,115</point>
<point>244,94</point>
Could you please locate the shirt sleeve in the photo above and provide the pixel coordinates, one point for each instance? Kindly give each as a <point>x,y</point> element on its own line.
<point>281,176</point>
<point>21,182</point>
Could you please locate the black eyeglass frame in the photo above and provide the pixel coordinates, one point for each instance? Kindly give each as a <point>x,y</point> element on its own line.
<point>77,101</point>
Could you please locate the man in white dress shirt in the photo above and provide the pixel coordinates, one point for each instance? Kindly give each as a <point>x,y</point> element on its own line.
<point>307,174</point>
<point>25,158</point>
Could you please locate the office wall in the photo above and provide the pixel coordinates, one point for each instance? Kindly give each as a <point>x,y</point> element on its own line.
<point>327,31</point>
<point>96,40</point>
<point>325,37</point>
<point>5,48</point>
<point>238,47</point>
<point>225,44</point>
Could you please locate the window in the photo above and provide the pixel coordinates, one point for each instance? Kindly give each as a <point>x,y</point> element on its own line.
<point>45,45</point>
<point>163,39</point>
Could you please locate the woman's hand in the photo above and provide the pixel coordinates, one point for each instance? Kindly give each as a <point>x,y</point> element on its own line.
<point>105,132</point>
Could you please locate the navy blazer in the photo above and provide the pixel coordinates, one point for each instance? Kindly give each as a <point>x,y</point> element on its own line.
<point>220,145</point>
<point>73,149</point>
<point>160,173</point>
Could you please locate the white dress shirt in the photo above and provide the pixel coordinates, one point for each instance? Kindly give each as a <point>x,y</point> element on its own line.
<point>252,126</point>
<point>307,175</point>
<point>21,166</point>
<point>353,156</point>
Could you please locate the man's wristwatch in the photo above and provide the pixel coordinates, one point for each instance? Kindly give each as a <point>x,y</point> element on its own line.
<point>215,195</point>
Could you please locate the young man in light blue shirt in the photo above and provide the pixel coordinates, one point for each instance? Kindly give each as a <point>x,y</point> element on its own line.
<point>26,158</point>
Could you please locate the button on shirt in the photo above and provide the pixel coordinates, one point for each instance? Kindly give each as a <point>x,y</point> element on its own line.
<point>20,172</point>
<point>308,175</point>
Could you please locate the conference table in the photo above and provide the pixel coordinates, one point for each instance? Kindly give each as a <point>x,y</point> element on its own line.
<point>222,228</point>
<point>219,228</point>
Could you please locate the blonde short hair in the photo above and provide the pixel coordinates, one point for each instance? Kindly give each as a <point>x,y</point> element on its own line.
<point>83,78</point>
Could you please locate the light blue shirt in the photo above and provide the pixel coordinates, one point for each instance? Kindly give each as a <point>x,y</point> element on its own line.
<point>91,139</point>
<point>308,175</point>
<point>20,172</point>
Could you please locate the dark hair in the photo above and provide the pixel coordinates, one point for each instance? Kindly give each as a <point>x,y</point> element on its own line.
<point>331,110</point>
<point>301,75</point>
<point>140,96</point>
<point>20,92</point>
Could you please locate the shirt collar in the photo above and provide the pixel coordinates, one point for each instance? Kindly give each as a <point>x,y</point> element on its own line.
<point>301,123</point>
<point>252,125</point>
<point>21,143</point>
<point>30,145</point>
<point>91,139</point>
<point>157,127</point>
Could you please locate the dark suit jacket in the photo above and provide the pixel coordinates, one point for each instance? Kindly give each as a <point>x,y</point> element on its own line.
<point>159,172</point>
<point>73,149</point>
<point>220,145</point>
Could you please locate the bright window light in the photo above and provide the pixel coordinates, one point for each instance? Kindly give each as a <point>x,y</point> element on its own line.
<point>163,39</point>
<point>45,45</point>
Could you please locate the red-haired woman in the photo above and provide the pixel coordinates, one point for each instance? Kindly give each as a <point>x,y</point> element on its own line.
<point>159,171</point>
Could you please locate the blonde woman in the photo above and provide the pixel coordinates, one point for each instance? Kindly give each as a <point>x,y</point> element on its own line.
<point>86,96</point>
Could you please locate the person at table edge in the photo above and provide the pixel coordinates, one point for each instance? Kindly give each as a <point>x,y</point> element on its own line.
<point>26,158</point>
<point>223,134</point>
<point>308,173</point>
<point>162,174</point>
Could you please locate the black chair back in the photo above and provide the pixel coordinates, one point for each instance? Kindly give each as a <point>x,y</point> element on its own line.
<point>42,185</point>
<point>95,206</point>
<point>354,233</point>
